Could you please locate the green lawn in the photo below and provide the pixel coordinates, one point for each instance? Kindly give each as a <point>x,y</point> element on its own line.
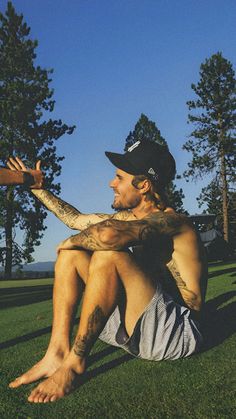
<point>117,385</point>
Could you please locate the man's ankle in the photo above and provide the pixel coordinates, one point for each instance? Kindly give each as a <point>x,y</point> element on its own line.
<point>58,349</point>
<point>76,363</point>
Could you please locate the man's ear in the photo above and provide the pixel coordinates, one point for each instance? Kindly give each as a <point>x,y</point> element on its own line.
<point>145,186</point>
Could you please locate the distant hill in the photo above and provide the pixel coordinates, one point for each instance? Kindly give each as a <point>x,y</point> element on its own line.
<point>36,267</point>
<point>39,266</point>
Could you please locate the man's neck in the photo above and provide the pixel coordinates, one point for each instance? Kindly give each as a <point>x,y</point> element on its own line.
<point>144,209</point>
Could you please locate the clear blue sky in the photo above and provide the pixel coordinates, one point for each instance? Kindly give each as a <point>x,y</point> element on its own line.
<point>113,60</point>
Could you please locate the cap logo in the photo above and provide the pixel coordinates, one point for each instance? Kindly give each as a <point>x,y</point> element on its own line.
<point>152,172</point>
<point>132,147</point>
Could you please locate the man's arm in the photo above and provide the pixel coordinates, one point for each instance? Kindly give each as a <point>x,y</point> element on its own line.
<point>72,217</point>
<point>69,215</point>
<point>118,235</point>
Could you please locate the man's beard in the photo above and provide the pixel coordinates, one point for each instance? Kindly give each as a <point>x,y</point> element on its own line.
<point>128,206</point>
<point>117,208</point>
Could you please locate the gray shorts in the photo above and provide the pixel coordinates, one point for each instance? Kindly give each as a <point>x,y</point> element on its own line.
<point>164,331</point>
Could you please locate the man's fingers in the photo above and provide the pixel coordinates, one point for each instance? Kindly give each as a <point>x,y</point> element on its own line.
<point>10,166</point>
<point>21,164</point>
<point>17,164</point>
<point>38,165</point>
<point>14,164</point>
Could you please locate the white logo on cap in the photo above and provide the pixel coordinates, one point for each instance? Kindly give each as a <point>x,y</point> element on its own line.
<point>132,147</point>
<point>151,171</point>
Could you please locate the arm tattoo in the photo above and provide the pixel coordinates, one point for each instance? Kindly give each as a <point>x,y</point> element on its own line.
<point>168,224</point>
<point>83,343</point>
<point>113,234</point>
<point>72,217</point>
<point>188,296</point>
<point>110,235</point>
<point>65,212</point>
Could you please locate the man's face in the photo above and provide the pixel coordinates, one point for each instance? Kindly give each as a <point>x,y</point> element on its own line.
<point>126,196</point>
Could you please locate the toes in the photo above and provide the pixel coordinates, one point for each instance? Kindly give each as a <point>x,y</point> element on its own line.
<point>56,397</point>
<point>34,395</point>
<point>17,382</point>
<point>47,399</point>
<point>41,397</point>
<point>25,379</point>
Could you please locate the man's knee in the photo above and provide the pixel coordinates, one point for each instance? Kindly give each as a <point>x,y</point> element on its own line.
<point>108,257</point>
<point>70,258</point>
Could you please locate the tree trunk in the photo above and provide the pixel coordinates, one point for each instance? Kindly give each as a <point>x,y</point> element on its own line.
<point>224,198</point>
<point>8,234</point>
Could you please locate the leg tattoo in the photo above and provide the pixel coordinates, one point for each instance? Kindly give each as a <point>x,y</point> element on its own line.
<point>83,343</point>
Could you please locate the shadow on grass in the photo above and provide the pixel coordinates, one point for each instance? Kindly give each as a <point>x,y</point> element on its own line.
<point>89,375</point>
<point>222,262</point>
<point>19,296</point>
<point>91,360</point>
<point>219,322</point>
<point>222,272</point>
<point>25,338</point>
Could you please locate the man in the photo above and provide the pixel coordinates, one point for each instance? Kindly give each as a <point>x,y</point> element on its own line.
<point>32,178</point>
<point>142,270</point>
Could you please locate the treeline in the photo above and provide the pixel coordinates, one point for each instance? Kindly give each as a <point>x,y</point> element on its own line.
<point>29,275</point>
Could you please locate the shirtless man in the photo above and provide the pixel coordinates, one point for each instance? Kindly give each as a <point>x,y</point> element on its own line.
<point>146,301</point>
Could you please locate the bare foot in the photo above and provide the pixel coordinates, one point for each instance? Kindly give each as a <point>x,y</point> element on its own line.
<point>61,383</point>
<point>44,368</point>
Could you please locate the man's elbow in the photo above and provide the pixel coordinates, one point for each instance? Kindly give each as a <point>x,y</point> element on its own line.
<point>108,237</point>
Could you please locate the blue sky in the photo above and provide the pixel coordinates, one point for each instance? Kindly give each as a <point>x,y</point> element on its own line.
<point>113,60</point>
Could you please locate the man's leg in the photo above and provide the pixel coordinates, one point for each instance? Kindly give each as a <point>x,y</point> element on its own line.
<point>71,272</point>
<point>107,271</point>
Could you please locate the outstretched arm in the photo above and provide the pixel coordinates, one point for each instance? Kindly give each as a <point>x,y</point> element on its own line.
<point>69,215</point>
<point>72,217</point>
<point>117,235</point>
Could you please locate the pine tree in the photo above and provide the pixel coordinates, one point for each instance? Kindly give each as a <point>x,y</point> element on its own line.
<point>212,142</point>
<point>146,130</point>
<point>25,99</point>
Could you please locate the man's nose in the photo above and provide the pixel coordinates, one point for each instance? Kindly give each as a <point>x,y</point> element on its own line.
<point>112,183</point>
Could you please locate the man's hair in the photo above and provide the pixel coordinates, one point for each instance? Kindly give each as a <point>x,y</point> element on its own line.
<point>155,194</point>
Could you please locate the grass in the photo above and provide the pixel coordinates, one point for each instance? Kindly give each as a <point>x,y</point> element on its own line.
<point>117,385</point>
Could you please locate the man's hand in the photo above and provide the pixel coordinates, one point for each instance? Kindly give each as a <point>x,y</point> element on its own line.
<point>16,164</point>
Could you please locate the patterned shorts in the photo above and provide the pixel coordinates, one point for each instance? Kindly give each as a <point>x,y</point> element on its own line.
<point>165,330</point>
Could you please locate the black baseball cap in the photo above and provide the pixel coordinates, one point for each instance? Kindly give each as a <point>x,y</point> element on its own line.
<point>146,158</point>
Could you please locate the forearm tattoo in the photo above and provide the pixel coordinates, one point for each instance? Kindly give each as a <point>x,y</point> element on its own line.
<point>109,235</point>
<point>72,217</point>
<point>114,234</point>
<point>65,212</point>
<point>83,343</point>
<point>190,298</point>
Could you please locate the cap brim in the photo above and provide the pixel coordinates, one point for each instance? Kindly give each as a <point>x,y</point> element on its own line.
<point>121,162</point>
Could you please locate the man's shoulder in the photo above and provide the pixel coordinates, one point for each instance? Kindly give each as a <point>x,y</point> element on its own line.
<point>168,222</point>
<point>124,215</point>
<point>169,214</point>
